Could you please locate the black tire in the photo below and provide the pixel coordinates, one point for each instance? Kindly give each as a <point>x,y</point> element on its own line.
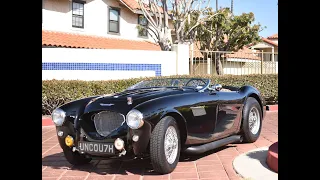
<point>248,136</point>
<point>157,150</point>
<point>75,158</point>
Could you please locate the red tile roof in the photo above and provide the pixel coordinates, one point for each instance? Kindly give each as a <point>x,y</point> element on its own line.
<point>134,5</point>
<point>270,42</point>
<point>72,40</point>
<point>244,53</point>
<point>275,36</point>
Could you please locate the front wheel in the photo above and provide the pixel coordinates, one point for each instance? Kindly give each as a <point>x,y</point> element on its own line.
<point>252,120</point>
<point>165,145</point>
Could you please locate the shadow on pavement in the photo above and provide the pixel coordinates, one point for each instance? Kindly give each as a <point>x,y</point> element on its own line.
<point>104,167</point>
<point>186,157</point>
<point>261,156</point>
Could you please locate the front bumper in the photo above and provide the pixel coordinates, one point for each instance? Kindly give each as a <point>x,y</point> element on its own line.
<point>138,148</point>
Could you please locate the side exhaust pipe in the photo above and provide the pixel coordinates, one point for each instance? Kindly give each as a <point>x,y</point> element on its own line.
<point>213,145</point>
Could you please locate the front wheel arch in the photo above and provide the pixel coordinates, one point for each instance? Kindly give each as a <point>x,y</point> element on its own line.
<point>253,95</point>
<point>259,101</point>
<point>181,125</point>
<point>244,129</point>
<point>160,159</point>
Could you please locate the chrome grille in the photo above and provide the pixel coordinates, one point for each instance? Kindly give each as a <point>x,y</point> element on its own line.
<point>107,121</point>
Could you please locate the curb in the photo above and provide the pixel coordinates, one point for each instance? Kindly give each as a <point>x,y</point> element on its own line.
<point>272,107</point>
<point>46,120</point>
<point>252,165</point>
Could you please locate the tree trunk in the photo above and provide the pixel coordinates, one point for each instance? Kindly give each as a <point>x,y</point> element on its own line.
<point>217,60</point>
<point>218,64</point>
<point>164,46</point>
<point>164,42</point>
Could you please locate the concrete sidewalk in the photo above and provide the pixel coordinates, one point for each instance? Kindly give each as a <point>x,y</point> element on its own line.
<point>215,165</point>
<point>253,165</point>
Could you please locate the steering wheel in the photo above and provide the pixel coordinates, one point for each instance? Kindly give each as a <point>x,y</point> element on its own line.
<point>175,82</point>
<point>195,80</point>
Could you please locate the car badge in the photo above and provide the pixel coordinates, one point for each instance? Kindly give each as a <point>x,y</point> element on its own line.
<point>129,99</point>
<point>115,96</point>
<point>102,104</point>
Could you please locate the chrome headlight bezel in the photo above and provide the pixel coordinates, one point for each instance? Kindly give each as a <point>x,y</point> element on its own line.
<point>134,119</point>
<point>58,116</point>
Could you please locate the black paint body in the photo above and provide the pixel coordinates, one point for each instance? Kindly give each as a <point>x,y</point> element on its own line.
<point>222,118</point>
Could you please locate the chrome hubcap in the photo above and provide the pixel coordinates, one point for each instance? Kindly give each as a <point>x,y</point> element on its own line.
<point>254,120</point>
<point>171,144</point>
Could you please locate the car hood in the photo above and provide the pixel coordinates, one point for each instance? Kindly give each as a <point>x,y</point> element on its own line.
<point>119,101</point>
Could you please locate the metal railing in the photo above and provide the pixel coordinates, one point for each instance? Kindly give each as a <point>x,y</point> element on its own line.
<point>235,63</point>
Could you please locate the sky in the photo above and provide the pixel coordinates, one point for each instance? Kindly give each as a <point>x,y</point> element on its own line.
<point>265,12</point>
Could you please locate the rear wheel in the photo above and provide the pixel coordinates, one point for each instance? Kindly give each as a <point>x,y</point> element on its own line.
<point>75,158</point>
<point>165,145</point>
<point>251,120</point>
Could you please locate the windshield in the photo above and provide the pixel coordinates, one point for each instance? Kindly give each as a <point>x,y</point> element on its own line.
<point>196,83</point>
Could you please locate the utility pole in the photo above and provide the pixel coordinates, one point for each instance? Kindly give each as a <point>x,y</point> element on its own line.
<point>216,5</point>
<point>231,6</point>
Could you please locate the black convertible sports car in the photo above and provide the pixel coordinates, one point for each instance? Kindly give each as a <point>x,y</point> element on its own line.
<point>159,119</point>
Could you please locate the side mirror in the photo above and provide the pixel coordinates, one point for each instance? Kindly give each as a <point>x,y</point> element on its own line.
<point>217,87</point>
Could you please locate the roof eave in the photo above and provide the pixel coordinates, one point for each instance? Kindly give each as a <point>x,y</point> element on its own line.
<point>127,6</point>
<point>139,11</point>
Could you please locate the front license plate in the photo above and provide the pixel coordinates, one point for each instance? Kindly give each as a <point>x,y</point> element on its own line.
<point>93,147</point>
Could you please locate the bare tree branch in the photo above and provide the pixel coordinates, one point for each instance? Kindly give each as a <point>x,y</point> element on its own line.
<point>165,16</point>
<point>157,37</point>
<point>182,13</point>
<point>154,32</point>
<point>159,13</point>
<point>153,10</point>
<point>188,5</point>
<point>199,5</point>
<point>181,24</point>
<point>208,4</point>
<point>147,15</point>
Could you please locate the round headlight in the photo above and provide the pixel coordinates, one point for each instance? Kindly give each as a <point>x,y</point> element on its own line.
<point>134,119</point>
<point>58,116</point>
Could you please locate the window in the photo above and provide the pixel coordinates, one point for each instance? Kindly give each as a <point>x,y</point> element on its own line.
<point>114,14</point>
<point>77,14</point>
<point>143,22</point>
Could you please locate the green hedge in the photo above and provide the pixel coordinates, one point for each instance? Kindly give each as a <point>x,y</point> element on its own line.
<point>58,92</point>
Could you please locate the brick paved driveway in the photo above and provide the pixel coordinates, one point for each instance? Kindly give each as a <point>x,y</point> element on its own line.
<point>216,164</point>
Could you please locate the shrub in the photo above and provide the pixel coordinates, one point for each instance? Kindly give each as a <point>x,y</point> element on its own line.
<point>58,92</point>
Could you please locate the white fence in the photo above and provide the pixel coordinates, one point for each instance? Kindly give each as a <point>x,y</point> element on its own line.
<point>235,63</point>
<point>102,64</point>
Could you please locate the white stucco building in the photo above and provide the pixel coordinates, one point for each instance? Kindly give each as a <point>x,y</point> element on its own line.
<point>99,40</point>
<point>106,18</point>
<point>268,45</point>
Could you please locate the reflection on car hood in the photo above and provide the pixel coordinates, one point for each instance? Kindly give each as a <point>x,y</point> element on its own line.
<point>118,101</point>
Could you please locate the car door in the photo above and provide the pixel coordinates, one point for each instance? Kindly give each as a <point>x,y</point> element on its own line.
<point>229,108</point>
<point>202,124</point>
